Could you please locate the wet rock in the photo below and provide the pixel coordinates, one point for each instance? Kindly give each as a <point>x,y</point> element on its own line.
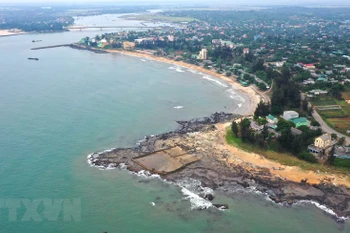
<point>209,197</point>
<point>221,206</point>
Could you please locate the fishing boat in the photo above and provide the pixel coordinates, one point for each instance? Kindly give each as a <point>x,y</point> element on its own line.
<point>33,58</point>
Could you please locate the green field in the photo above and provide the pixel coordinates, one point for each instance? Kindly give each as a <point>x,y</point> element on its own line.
<point>148,17</point>
<point>324,101</point>
<point>337,119</point>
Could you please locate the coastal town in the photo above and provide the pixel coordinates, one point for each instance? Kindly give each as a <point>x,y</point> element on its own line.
<point>300,66</point>
<point>194,117</point>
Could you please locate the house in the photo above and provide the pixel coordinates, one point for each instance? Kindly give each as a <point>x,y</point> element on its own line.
<point>288,115</point>
<point>245,50</point>
<point>323,141</point>
<point>271,126</point>
<point>342,152</point>
<point>296,131</point>
<point>313,149</point>
<point>309,66</point>
<point>255,126</point>
<point>321,79</point>
<point>318,92</point>
<point>203,54</point>
<point>300,121</point>
<point>128,45</point>
<point>271,119</point>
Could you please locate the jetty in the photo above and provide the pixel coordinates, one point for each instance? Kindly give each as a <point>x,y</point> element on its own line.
<point>51,47</point>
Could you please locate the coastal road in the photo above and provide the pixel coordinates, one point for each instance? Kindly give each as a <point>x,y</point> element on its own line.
<point>328,129</point>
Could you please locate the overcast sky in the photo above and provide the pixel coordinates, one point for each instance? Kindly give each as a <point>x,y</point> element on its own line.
<point>244,2</point>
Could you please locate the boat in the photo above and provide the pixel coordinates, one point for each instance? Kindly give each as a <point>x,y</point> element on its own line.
<point>33,58</point>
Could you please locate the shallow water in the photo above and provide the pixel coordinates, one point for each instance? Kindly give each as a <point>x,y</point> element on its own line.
<point>57,110</point>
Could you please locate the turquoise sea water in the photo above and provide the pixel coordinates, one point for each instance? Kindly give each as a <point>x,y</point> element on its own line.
<point>56,111</point>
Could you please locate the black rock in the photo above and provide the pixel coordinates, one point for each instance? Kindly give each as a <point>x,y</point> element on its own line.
<point>209,197</point>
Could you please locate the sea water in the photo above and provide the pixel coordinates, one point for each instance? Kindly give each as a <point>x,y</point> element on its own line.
<point>70,103</point>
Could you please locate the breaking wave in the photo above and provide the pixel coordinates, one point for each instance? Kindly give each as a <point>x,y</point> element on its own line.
<point>215,81</point>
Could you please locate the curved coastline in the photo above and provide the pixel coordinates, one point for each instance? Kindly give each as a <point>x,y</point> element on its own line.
<point>252,96</point>
<point>227,176</point>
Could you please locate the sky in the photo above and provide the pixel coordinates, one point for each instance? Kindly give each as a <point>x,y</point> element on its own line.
<point>211,2</point>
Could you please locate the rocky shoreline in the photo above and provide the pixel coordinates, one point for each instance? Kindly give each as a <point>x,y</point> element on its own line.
<point>81,47</point>
<point>200,137</point>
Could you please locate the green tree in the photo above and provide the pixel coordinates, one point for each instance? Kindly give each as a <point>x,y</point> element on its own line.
<point>234,128</point>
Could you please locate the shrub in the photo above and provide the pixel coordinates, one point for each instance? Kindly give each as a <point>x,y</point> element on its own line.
<point>307,157</point>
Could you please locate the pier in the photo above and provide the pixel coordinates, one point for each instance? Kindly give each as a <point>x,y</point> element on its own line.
<point>51,47</point>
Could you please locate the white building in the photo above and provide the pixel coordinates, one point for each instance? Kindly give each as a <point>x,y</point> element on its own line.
<point>323,141</point>
<point>203,54</point>
<point>271,119</point>
<point>288,115</point>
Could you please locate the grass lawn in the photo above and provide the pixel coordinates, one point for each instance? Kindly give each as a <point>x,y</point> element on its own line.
<point>282,158</point>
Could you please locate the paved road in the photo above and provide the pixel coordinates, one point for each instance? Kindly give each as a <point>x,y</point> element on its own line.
<point>328,129</point>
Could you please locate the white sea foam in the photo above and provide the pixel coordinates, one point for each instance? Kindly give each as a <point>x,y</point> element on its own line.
<point>192,188</point>
<point>194,71</point>
<point>235,96</point>
<point>322,207</point>
<point>215,81</point>
<point>301,202</point>
<point>196,201</point>
<point>178,69</point>
<point>178,107</point>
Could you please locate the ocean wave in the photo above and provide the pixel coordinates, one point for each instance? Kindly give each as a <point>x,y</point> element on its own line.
<point>234,95</point>
<point>215,81</point>
<point>190,188</point>
<point>196,201</point>
<point>178,107</point>
<point>322,207</point>
<point>252,189</point>
<point>193,191</point>
<point>91,158</point>
<point>176,68</point>
<point>194,71</point>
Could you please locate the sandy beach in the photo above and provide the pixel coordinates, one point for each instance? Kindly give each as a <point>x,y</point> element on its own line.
<point>253,97</point>
<point>239,157</point>
<point>11,32</point>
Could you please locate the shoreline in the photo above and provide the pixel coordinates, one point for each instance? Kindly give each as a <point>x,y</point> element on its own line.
<point>252,96</point>
<point>6,33</point>
<point>224,172</point>
<point>232,167</point>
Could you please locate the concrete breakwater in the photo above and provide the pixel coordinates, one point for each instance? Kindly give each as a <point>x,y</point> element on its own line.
<point>73,46</point>
<point>51,47</point>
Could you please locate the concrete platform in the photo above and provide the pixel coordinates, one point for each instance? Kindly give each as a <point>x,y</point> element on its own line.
<point>166,161</point>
